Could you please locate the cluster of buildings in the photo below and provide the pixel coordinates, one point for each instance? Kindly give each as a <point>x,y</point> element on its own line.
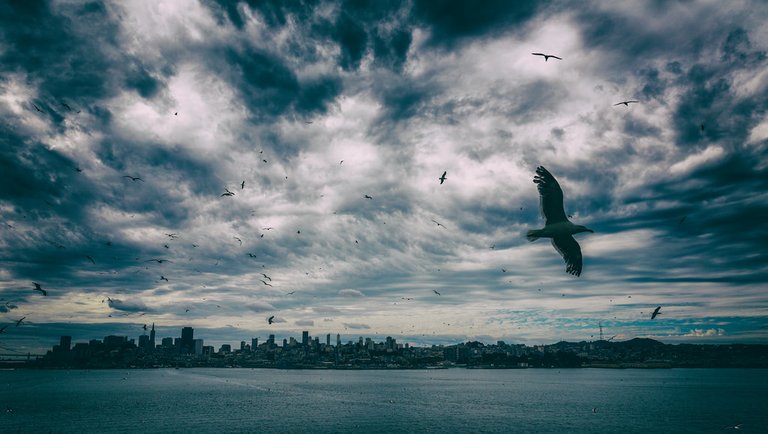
<point>312,352</point>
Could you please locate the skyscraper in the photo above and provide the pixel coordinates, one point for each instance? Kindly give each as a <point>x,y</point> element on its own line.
<point>305,338</point>
<point>338,340</point>
<point>152,338</point>
<point>187,340</point>
<point>328,339</point>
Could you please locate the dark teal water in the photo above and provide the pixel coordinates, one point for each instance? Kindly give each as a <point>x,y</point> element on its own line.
<point>455,400</point>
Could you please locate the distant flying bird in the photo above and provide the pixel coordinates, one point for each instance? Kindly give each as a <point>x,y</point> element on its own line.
<point>547,56</point>
<point>227,193</point>
<point>492,246</point>
<point>38,288</point>
<point>271,319</point>
<point>145,326</point>
<point>268,284</point>
<point>18,323</point>
<point>36,107</point>
<point>90,258</point>
<point>133,178</point>
<point>172,236</point>
<point>627,103</point>
<point>242,185</point>
<point>557,225</point>
<point>79,170</point>
<point>66,106</point>
<point>438,224</point>
<point>290,293</point>
<point>166,246</point>
<point>176,113</point>
<point>656,312</point>
<point>159,261</point>
<point>164,278</point>
<point>442,178</point>
<point>367,197</point>
<point>682,219</point>
<point>251,255</point>
<point>238,240</point>
<point>435,291</point>
<point>341,162</point>
<point>267,229</point>
<point>266,277</point>
<point>503,270</point>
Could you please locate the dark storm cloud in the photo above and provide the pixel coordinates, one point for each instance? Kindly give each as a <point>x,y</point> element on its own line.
<point>270,88</point>
<point>711,109</point>
<point>451,21</point>
<point>69,51</point>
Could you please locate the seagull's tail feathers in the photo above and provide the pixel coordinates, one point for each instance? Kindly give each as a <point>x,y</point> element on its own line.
<point>534,234</point>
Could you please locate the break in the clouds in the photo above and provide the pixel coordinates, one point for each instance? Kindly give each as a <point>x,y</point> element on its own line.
<point>207,163</point>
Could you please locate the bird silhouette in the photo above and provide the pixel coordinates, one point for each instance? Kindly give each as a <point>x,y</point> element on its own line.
<point>66,106</point>
<point>442,178</point>
<point>367,197</point>
<point>438,224</point>
<point>682,219</point>
<point>435,291</point>
<point>547,56</point>
<point>90,258</point>
<point>172,236</point>
<point>164,278</point>
<point>266,277</point>
<point>145,326</point>
<point>38,288</point>
<point>627,103</point>
<point>271,319</point>
<point>36,107</point>
<point>133,178</point>
<point>656,312</point>
<point>159,261</point>
<point>227,193</point>
<point>18,323</point>
<point>262,281</point>
<point>251,255</point>
<point>557,226</point>
<point>238,240</point>
<point>242,185</point>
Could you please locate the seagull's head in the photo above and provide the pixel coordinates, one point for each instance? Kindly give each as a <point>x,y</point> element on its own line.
<point>580,228</point>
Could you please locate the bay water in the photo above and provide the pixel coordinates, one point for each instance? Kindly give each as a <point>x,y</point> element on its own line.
<point>384,401</point>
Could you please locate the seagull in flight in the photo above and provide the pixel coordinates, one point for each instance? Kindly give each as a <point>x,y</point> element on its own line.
<point>227,193</point>
<point>442,178</point>
<point>133,178</point>
<point>238,240</point>
<point>367,197</point>
<point>164,278</point>
<point>271,319</point>
<point>547,56</point>
<point>36,107</point>
<point>438,224</point>
<point>627,103</point>
<point>159,261</point>
<point>251,255</point>
<point>18,323</point>
<point>656,312</point>
<point>262,281</point>
<point>242,185</point>
<point>90,258</point>
<point>39,288</point>
<point>435,291</point>
<point>266,277</point>
<point>557,226</point>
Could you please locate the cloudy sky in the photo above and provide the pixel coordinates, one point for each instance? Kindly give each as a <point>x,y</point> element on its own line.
<point>302,108</point>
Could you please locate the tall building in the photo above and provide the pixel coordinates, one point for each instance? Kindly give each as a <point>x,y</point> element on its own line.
<point>187,340</point>
<point>338,340</point>
<point>198,347</point>
<point>65,342</point>
<point>152,338</point>
<point>271,340</point>
<point>305,338</point>
<point>254,344</point>
<point>328,339</point>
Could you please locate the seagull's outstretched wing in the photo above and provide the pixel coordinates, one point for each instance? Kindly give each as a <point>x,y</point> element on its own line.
<point>551,197</point>
<point>571,252</point>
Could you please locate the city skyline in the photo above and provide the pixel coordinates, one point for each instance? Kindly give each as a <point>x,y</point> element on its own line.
<point>368,168</point>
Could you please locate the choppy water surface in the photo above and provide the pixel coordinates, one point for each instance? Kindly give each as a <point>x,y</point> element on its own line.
<point>454,400</point>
